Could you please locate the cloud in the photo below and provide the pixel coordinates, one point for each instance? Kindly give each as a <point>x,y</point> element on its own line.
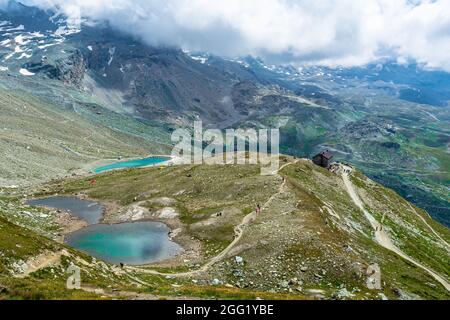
<point>326,32</point>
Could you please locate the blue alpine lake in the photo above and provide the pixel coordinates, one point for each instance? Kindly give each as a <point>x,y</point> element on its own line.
<point>135,243</point>
<point>144,162</point>
<point>130,243</point>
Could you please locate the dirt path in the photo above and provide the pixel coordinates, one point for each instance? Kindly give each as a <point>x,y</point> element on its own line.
<point>42,261</point>
<point>238,230</point>
<point>129,295</point>
<point>381,237</point>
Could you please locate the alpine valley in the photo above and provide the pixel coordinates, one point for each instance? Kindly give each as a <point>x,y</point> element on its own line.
<point>74,97</point>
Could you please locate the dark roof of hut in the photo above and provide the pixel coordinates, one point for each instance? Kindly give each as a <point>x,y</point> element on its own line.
<point>326,154</point>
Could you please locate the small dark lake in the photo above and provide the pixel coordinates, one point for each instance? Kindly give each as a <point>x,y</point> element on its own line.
<point>90,211</point>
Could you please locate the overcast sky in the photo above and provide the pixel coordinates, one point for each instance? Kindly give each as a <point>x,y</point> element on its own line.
<point>329,32</point>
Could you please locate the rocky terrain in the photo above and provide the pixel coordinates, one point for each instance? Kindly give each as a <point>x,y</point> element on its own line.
<point>311,239</point>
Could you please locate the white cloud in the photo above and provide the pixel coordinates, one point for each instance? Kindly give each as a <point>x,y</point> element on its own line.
<point>344,32</point>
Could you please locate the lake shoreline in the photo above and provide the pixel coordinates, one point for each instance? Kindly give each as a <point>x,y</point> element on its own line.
<point>70,223</point>
<point>130,243</point>
<point>89,168</point>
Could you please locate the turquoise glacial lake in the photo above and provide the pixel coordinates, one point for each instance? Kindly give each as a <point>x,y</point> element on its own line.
<point>130,243</point>
<point>138,163</point>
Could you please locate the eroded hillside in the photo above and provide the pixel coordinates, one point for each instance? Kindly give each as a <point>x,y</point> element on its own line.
<point>40,141</point>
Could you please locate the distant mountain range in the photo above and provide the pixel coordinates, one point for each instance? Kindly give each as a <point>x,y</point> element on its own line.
<point>389,119</point>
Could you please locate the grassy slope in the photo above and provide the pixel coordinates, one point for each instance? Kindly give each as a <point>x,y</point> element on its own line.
<point>298,230</point>
<point>420,168</point>
<point>19,244</point>
<point>40,141</point>
<point>202,192</point>
<point>311,226</point>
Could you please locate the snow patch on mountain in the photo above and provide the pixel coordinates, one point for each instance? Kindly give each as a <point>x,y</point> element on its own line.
<point>24,56</point>
<point>19,28</point>
<point>25,72</point>
<point>22,39</point>
<point>67,31</point>
<point>42,47</point>
<point>5,43</point>
<point>202,60</point>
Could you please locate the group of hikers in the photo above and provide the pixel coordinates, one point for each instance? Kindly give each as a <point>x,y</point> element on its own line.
<point>257,210</point>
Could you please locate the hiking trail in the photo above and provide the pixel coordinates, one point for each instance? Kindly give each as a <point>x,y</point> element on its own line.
<point>381,237</point>
<point>238,231</point>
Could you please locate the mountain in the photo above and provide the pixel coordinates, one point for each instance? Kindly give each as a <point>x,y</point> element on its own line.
<point>363,114</point>
<point>75,95</point>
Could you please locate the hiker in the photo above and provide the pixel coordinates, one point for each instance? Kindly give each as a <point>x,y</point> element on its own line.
<point>93,182</point>
<point>121,265</point>
<point>258,209</point>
